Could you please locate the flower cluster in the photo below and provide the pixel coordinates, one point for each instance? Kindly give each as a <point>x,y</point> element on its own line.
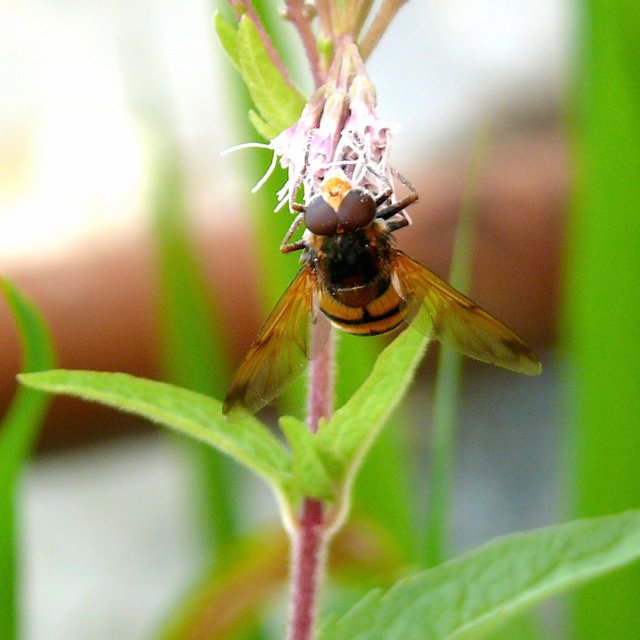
<point>338,129</point>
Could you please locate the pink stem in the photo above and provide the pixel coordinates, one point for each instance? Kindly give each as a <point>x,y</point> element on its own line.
<point>308,559</point>
<point>309,540</point>
<point>296,15</point>
<point>379,25</point>
<point>320,397</point>
<point>324,16</point>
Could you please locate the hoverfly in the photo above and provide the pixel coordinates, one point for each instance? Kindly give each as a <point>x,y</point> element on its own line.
<point>354,277</point>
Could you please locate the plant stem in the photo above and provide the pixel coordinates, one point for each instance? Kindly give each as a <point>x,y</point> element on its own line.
<point>324,16</point>
<point>361,16</point>
<point>320,397</point>
<point>309,540</point>
<point>297,15</point>
<point>386,14</point>
<point>308,555</point>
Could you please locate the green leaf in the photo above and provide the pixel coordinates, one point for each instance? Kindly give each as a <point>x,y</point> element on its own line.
<point>266,130</point>
<point>348,436</point>
<point>310,477</point>
<point>192,414</point>
<point>228,35</point>
<point>473,594</point>
<point>523,626</point>
<point>279,104</point>
<point>18,432</point>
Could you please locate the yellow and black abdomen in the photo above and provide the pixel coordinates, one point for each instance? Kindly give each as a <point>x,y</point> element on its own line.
<point>354,277</point>
<point>383,314</point>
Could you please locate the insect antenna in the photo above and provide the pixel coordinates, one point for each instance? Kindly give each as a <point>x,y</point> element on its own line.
<point>404,181</point>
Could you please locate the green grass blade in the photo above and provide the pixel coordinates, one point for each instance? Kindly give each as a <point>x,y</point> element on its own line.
<point>20,425</point>
<point>193,349</point>
<point>449,377</point>
<point>603,306</point>
<point>191,345</point>
<point>384,492</point>
<point>445,421</point>
<point>192,414</point>
<point>18,432</point>
<point>473,594</point>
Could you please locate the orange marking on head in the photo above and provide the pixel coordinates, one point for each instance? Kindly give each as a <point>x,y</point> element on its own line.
<point>334,188</point>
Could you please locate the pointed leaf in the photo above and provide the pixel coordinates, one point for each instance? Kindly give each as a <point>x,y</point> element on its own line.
<point>310,477</point>
<point>228,35</point>
<point>266,130</point>
<point>192,414</point>
<point>277,101</point>
<point>470,595</point>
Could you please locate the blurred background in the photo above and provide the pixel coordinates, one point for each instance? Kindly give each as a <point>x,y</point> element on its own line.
<point>146,253</point>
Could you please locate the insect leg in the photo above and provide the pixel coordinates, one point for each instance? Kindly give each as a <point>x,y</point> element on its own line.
<point>404,181</point>
<point>403,220</point>
<point>396,207</point>
<point>285,246</point>
<point>383,197</point>
<point>294,246</point>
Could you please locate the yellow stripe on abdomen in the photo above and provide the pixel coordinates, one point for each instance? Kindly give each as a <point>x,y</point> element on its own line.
<point>381,315</point>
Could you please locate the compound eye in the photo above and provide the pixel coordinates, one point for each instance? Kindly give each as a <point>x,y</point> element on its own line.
<point>357,210</point>
<point>320,218</point>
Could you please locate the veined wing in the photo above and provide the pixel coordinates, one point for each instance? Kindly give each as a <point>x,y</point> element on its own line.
<point>459,322</point>
<point>281,350</point>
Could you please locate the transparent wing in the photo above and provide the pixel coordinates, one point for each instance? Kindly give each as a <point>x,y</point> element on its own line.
<point>439,310</point>
<point>280,351</point>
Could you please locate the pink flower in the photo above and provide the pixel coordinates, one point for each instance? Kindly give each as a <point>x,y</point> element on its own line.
<point>338,129</point>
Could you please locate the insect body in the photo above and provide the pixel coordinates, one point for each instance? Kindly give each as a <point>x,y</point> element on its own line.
<point>353,272</point>
<point>354,277</point>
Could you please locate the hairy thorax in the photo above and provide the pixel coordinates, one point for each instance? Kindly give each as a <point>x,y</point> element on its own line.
<point>353,266</point>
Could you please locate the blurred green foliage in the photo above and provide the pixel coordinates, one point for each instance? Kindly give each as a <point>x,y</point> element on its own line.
<point>18,433</point>
<point>602,302</point>
<point>192,347</point>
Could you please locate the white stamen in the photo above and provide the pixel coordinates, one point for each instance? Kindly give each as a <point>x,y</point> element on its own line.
<point>337,163</point>
<point>268,173</point>
<point>245,145</point>
<point>281,204</point>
